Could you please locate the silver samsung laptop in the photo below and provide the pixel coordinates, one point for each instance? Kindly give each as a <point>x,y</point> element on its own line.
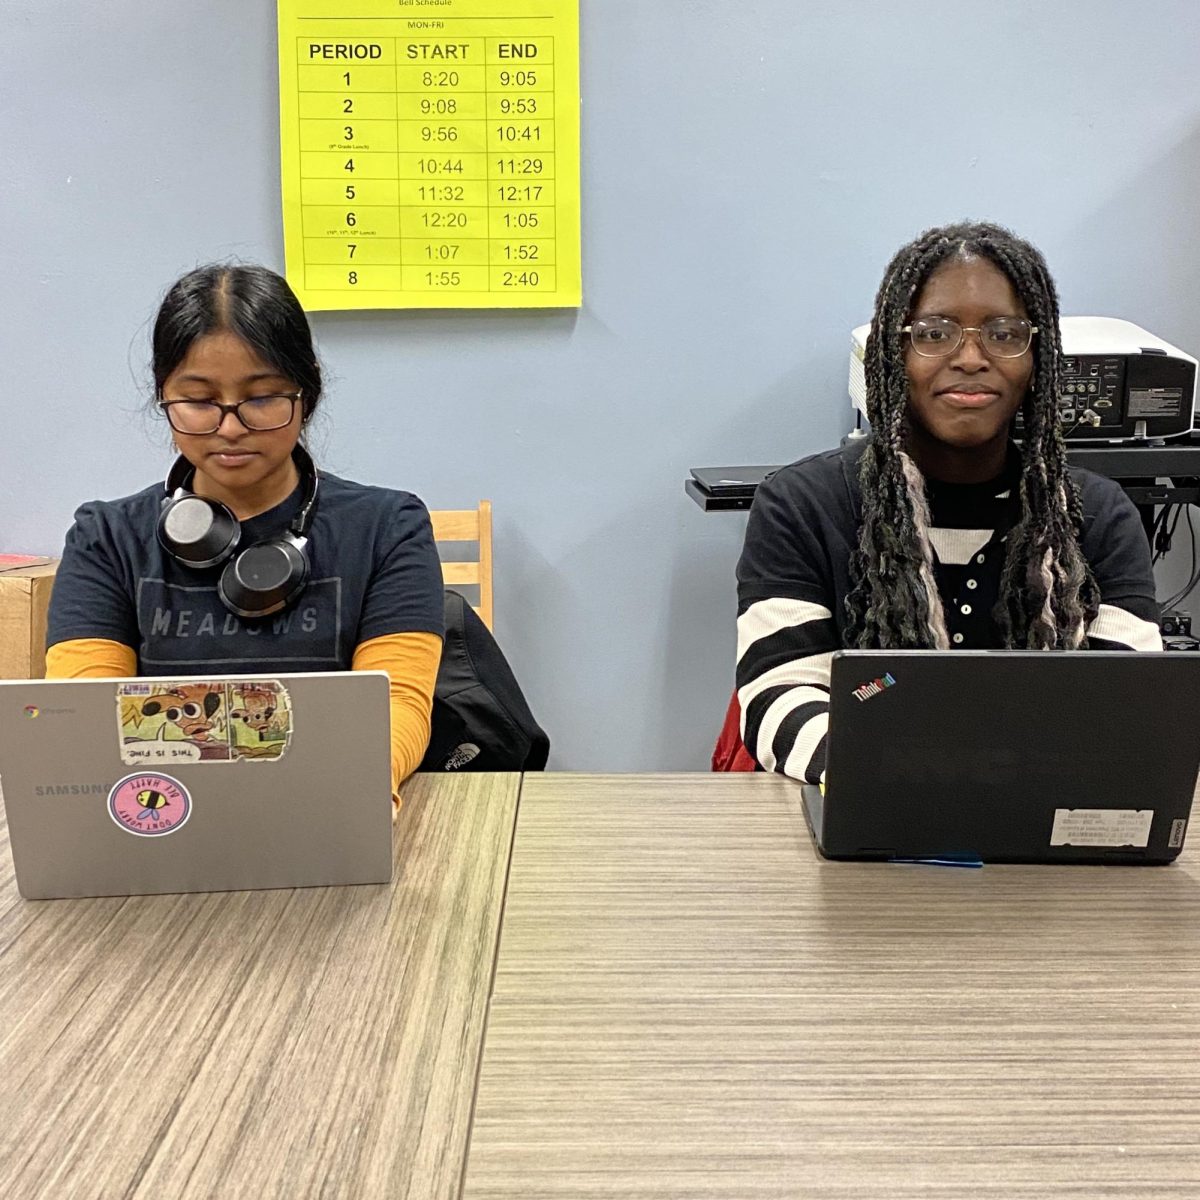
<point>1009,756</point>
<point>118,787</point>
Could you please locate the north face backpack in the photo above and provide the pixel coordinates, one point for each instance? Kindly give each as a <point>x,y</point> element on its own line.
<point>481,721</point>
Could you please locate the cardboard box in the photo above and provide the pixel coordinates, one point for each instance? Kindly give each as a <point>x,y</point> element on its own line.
<point>24,602</point>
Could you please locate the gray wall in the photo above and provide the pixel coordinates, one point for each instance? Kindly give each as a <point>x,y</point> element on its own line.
<point>747,170</point>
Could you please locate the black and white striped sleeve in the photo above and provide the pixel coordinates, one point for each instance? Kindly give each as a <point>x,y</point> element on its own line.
<point>1116,548</point>
<point>786,636</point>
<point>783,684</point>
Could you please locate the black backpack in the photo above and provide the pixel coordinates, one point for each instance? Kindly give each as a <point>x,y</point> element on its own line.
<point>480,719</point>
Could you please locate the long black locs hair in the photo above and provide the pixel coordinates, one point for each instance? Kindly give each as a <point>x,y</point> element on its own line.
<point>1048,595</point>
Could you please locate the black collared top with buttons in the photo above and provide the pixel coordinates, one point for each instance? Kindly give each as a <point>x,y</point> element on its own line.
<point>969,526</point>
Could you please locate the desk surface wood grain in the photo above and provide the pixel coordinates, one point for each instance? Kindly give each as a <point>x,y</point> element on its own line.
<point>690,1003</point>
<point>315,1042</point>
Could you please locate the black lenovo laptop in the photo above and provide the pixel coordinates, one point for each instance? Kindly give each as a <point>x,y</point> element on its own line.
<point>1008,756</point>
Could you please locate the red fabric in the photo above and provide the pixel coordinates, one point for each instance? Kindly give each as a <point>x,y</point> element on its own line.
<point>729,754</point>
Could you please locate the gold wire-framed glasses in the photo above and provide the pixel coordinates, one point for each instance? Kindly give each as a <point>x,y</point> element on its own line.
<point>1000,337</point>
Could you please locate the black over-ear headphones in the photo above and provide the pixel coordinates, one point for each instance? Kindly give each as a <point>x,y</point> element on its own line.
<point>261,579</point>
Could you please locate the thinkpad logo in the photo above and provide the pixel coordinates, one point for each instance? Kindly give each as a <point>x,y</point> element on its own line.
<point>865,691</point>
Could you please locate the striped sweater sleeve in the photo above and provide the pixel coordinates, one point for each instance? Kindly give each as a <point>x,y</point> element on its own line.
<point>784,651</point>
<point>786,632</point>
<point>1115,546</point>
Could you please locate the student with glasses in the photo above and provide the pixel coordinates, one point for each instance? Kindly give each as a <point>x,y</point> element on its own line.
<point>249,560</point>
<point>938,530</point>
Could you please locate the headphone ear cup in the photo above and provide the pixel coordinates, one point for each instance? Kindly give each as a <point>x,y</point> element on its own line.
<point>265,578</point>
<point>197,531</point>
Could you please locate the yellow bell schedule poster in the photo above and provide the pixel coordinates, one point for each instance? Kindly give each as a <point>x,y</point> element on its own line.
<point>430,152</point>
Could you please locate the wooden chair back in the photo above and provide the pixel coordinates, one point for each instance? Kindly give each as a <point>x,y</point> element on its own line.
<point>468,525</point>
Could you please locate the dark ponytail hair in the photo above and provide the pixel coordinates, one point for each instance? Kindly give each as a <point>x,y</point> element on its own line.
<point>1048,595</point>
<point>252,302</point>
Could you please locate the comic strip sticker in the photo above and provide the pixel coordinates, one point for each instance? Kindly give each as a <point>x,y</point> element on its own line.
<point>260,719</point>
<point>163,722</point>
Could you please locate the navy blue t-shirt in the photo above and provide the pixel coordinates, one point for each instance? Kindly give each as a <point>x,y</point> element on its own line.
<point>375,571</point>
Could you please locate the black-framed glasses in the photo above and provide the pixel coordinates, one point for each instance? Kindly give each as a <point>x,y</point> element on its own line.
<point>1000,337</point>
<point>258,413</point>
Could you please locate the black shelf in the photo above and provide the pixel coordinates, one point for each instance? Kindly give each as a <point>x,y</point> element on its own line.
<point>1136,468</point>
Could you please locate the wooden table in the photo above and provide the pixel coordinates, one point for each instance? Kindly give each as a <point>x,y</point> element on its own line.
<point>316,1042</point>
<point>690,1003</point>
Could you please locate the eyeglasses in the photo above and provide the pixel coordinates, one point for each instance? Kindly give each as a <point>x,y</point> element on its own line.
<point>1000,337</point>
<point>258,413</point>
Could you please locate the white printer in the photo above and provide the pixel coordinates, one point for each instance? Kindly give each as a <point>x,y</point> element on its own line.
<point>1120,383</point>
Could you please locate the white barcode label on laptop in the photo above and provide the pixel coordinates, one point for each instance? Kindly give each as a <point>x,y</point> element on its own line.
<point>1102,827</point>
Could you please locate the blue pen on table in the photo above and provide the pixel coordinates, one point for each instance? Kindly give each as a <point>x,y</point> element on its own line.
<point>966,860</point>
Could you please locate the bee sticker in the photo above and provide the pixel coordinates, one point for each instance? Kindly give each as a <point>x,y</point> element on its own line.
<point>149,805</point>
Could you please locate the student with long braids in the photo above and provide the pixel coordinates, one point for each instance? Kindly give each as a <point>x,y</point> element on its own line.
<point>938,530</point>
